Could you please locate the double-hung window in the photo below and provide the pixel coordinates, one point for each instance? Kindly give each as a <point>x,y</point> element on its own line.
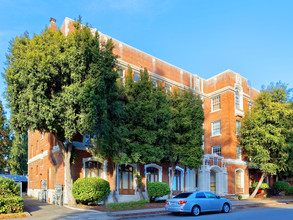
<point>238,127</point>
<point>216,103</point>
<point>216,128</point>
<point>239,155</point>
<point>216,150</point>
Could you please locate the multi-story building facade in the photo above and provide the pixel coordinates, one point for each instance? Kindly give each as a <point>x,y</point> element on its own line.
<point>224,170</point>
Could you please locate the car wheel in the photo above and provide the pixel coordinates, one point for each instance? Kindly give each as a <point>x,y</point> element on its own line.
<point>226,208</point>
<point>195,210</point>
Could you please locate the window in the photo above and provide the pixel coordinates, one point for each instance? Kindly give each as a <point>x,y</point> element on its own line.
<point>238,127</point>
<point>216,103</point>
<point>93,169</point>
<point>216,150</point>
<point>182,195</point>
<point>216,128</point>
<point>211,195</point>
<point>238,153</point>
<point>177,180</point>
<point>249,106</point>
<point>200,195</point>
<point>237,99</point>
<point>154,82</point>
<point>122,75</point>
<point>153,174</point>
<point>167,88</point>
<point>126,173</point>
<point>136,77</point>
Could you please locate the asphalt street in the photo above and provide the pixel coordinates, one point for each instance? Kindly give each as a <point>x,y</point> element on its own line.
<point>268,213</point>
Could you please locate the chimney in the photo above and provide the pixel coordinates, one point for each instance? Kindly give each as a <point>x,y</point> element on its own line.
<point>53,25</point>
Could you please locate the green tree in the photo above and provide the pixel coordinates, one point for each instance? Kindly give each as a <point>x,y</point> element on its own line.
<point>18,155</point>
<point>5,141</point>
<point>266,131</point>
<point>147,119</point>
<point>186,131</point>
<point>61,85</point>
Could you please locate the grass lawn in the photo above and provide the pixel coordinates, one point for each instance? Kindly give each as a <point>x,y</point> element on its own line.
<point>13,215</point>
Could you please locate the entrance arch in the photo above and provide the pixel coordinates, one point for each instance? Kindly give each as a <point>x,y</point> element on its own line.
<point>216,179</point>
<point>239,180</point>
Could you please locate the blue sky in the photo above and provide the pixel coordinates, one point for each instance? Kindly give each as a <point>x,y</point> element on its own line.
<point>204,37</point>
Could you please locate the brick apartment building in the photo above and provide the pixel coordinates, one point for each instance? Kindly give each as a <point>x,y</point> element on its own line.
<point>224,170</point>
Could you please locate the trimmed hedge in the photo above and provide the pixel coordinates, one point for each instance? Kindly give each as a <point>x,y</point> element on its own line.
<point>158,189</point>
<point>90,190</point>
<point>289,191</point>
<point>281,186</point>
<point>262,186</point>
<point>11,204</point>
<point>8,187</point>
<point>125,205</point>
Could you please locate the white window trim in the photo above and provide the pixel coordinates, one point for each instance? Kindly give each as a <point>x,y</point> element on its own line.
<point>212,104</point>
<point>215,135</point>
<point>182,176</point>
<point>238,133</point>
<point>104,165</point>
<point>216,153</point>
<point>155,166</point>
<point>237,152</point>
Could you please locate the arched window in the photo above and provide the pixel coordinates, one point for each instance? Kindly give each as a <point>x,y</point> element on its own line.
<point>177,180</point>
<point>93,169</point>
<point>153,174</point>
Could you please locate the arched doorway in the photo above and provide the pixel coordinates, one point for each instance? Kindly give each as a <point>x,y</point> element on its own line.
<point>239,181</point>
<point>213,182</point>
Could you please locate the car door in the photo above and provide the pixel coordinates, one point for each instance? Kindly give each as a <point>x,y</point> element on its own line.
<point>212,201</point>
<point>201,200</point>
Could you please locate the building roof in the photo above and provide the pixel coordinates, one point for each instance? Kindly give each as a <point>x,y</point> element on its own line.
<point>15,178</point>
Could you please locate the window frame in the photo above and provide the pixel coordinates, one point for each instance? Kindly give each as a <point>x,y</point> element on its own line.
<point>238,127</point>
<point>218,133</point>
<point>238,152</point>
<point>218,99</point>
<point>217,149</point>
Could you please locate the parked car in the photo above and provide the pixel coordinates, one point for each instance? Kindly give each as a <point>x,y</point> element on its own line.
<point>197,202</point>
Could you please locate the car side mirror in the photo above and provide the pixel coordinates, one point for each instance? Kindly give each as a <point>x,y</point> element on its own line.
<point>218,197</point>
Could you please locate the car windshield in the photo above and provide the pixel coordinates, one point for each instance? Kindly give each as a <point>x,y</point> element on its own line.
<point>182,195</point>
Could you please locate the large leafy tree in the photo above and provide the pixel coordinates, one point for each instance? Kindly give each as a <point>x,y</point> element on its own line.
<point>186,131</point>
<point>147,119</point>
<point>61,85</point>
<point>266,132</point>
<point>18,154</point>
<point>5,141</point>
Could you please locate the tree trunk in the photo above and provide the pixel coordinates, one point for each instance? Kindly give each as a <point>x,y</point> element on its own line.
<point>172,179</point>
<point>139,183</point>
<point>66,154</point>
<point>258,185</point>
<point>114,182</point>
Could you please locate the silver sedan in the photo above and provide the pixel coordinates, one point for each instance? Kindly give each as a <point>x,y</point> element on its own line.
<point>197,202</point>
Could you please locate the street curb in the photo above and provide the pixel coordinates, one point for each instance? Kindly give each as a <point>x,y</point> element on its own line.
<point>79,209</point>
<point>235,207</point>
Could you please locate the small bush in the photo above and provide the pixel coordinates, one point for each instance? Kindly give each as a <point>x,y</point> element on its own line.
<point>11,204</point>
<point>124,205</point>
<point>158,189</point>
<point>289,191</point>
<point>8,187</point>
<point>90,190</point>
<point>262,186</point>
<point>281,186</point>
<point>239,196</point>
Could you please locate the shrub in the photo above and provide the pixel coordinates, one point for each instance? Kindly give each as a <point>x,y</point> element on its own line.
<point>123,205</point>
<point>239,196</point>
<point>11,204</point>
<point>90,190</point>
<point>262,186</point>
<point>281,186</point>
<point>158,189</point>
<point>289,191</point>
<point>8,187</point>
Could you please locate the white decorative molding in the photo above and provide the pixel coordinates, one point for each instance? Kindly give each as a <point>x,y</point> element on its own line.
<point>155,166</point>
<point>38,157</point>
<point>242,179</point>
<point>236,162</point>
<point>182,176</point>
<point>103,162</point>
